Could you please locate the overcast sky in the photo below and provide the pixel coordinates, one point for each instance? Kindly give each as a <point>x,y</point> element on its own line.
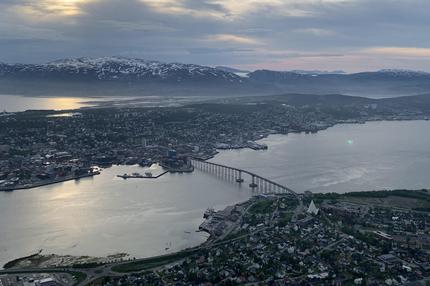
<point>350,35</point>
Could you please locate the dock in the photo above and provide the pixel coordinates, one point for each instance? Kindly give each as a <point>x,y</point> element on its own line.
<point>126,176</point>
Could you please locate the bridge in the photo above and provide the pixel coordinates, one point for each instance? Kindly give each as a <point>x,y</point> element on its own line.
<point>233,174</point>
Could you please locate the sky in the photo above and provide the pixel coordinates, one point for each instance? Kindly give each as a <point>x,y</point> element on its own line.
<point>349,35</point>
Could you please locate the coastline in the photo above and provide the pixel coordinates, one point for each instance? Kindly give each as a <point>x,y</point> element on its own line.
<point>265,135</point>
<point>16,261</point>
<point>48,261</point>
<point>51,182</point>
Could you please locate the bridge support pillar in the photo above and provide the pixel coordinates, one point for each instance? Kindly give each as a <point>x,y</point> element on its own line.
<point>253,184</point>
<point>239,177</point>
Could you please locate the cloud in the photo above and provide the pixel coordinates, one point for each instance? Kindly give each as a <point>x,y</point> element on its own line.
<point>275,33</point>
<point>400,51</point>
<point>44,9</point>
<point>316,32</point>
<point>193,8</point>
<point>230,38</point>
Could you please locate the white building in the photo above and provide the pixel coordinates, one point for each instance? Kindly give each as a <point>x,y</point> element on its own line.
<point>312,209</point>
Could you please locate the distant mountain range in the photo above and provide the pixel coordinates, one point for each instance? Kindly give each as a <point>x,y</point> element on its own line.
<point>232,70</point>
<point>117,69</point>
<point>317,72</point>
<point>134,77</point>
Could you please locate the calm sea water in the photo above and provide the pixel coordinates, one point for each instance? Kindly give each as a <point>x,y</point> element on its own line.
<point>15,103</point>
<point>345,158</point>
<point>106,215</point>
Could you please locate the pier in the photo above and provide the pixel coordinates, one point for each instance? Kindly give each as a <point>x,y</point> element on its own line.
<point>126,176</point>
<point>237,175</point>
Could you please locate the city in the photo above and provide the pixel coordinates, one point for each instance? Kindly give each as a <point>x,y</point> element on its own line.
<point>44,147</point>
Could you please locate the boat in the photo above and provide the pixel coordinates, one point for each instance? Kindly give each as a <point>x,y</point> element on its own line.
<point>125,176</point>
<point>148,174</point>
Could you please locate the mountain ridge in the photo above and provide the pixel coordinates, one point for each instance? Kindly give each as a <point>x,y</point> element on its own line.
<point>131,76</point>
<point>117,68</point>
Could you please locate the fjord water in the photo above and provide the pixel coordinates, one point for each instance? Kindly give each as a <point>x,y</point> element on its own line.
<point>14,103</point>
<point>345,158</point>
<point>107,215</point>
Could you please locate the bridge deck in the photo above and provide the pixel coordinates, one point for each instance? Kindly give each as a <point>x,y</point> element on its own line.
<point>246,172</point>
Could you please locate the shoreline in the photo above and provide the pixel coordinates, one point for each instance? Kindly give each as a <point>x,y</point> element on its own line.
<point>51,182</point>
<point>346,122</point>
<point>12,263</point>
<point>49,261</point>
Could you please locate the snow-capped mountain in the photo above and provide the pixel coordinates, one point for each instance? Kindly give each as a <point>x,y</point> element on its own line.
<point>134,77</point>
<point>118,69</point>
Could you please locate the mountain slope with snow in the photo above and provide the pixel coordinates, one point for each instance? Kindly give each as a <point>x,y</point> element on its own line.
<point>118,69</point>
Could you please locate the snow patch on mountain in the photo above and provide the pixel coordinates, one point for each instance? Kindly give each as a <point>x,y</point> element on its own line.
<point>117,68</point>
